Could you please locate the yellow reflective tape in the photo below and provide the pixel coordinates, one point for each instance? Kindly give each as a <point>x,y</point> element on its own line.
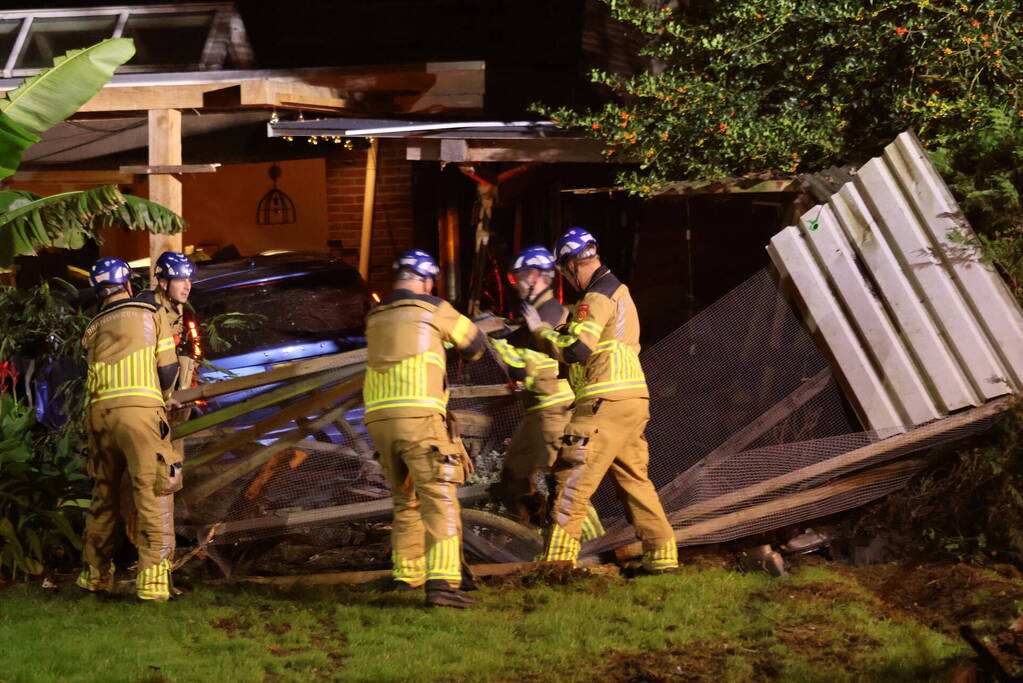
<point>461,330</point>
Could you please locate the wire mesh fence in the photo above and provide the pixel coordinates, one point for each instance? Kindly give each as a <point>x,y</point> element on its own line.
<point>743,408</point>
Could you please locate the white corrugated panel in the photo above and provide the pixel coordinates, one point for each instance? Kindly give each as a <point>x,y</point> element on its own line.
<point>793,259</point>
<point>917,324</point>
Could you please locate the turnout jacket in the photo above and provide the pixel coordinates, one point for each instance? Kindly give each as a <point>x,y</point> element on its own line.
<point>537,371</point>
<point>406,369</point>
<point>600,342</point>
<point>130,353</point>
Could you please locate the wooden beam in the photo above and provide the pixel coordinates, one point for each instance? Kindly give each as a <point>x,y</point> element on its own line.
<point>265,399</point>
<point>880,451</point>
<point>174,170</point>
<point>867,478</point>
<point>148,97</point>
<point>164,150</point>
<point>368,198</point>
<point>290,94</point>
<point>73,177</point>
<point>253,462</point>
<point>548,150</point>
<point>280,373</point>
<point>278,521</point>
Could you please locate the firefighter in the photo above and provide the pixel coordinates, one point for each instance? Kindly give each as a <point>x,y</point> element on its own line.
<point>547,399</point>
<point>174,272</point>
<point>131,365</point>
<point>606,432</point>
<point>421,455</point>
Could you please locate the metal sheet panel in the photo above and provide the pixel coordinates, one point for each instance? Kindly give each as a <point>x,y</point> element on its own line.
<point>902,381</point>
<point>909,239</point>
<point>794,260</point>
<point>890,260</point>
<point>938,367</point>
<point>980,285</point>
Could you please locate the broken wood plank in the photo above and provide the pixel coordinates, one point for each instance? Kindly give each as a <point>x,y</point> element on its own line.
<point>482,391</point>
<point>240,438</point>
<point>172,169</point>
<point>263,400</point>
<point>278,521</point>
<point>277,374</point>
<point>876,475</point>
<point>255,461</point>
<point>879,451</point>
<point>622,532</point>
<point>748,434</point>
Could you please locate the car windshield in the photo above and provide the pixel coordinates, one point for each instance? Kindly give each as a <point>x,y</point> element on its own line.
<point>324,305</point>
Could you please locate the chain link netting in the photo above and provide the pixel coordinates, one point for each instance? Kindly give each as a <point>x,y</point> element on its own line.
<point>742,404</point>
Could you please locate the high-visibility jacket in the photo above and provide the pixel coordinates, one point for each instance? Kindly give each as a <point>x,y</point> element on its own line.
<point>406,368</point>
<point>537,371</point>
<point>173,320</point>
<point>600,342</point>
<point>130,354</point>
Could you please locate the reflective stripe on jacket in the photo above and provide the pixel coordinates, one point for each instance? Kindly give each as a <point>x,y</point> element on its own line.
<point>538,372</point>
<point>130,354</point>
<point>600,342</point>
<point>406,373</point>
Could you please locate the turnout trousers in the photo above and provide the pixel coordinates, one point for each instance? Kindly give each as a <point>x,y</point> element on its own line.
<point>424,465</point>
<point>534,448</point>
<point>135,440</point>
<point>608,436</point>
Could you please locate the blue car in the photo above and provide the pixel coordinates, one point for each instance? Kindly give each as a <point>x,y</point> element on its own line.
<point>313,305</point>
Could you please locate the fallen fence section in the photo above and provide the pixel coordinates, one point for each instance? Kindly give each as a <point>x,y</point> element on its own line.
<point>891,276</point>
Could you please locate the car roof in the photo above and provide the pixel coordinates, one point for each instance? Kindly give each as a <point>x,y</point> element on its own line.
<point>212,275</point>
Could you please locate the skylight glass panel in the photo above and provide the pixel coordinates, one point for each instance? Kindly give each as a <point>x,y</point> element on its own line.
<point>51,37</point>
<point>168,39</point>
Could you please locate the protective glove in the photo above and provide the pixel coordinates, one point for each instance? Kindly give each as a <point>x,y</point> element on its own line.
<point>531,317</point>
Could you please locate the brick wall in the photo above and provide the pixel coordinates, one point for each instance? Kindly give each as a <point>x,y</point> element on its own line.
<point>392,219</point>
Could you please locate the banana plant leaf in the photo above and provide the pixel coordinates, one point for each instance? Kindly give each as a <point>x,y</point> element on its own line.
<point>44,100</point>
<point>14,139</point>
<point>60,220</point>
<point>137,213</point>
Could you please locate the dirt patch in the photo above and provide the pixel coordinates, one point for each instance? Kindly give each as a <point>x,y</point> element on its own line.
<point>691,662</point>
<point>944,597</point>
<point>550,575</point>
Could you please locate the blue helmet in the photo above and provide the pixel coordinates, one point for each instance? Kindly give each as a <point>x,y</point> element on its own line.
<point>419,262</point>
<point>533,257</point>
<point>573,243</point>
<point>173,265</point>
<point>109,271</point>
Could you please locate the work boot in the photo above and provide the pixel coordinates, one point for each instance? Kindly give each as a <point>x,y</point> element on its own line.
<point>95,581</point>
<point>468,578</point>
<point>440,593</point>
<point>154,583</point>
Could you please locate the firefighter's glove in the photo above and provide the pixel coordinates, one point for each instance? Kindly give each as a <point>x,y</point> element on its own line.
<point>531,317</point>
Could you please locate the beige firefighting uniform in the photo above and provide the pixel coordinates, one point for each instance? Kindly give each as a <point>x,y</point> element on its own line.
<point>606,432</point>
<point>547,401</point>
<point>131,363</point>
<point>405,395</point>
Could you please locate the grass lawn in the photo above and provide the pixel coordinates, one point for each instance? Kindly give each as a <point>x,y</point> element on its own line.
<point>824,623</point>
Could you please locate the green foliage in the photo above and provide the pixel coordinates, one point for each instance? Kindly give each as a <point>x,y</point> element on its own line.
<point>217,329</point>
<point>704,624</point>
<point>748,86</point>
<point>42,101</point>
<point>69,219</point>
<point>42,481</point>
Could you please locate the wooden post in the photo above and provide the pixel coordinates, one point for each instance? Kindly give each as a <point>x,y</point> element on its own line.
<point>368,197</point>
<point>164,189</point>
